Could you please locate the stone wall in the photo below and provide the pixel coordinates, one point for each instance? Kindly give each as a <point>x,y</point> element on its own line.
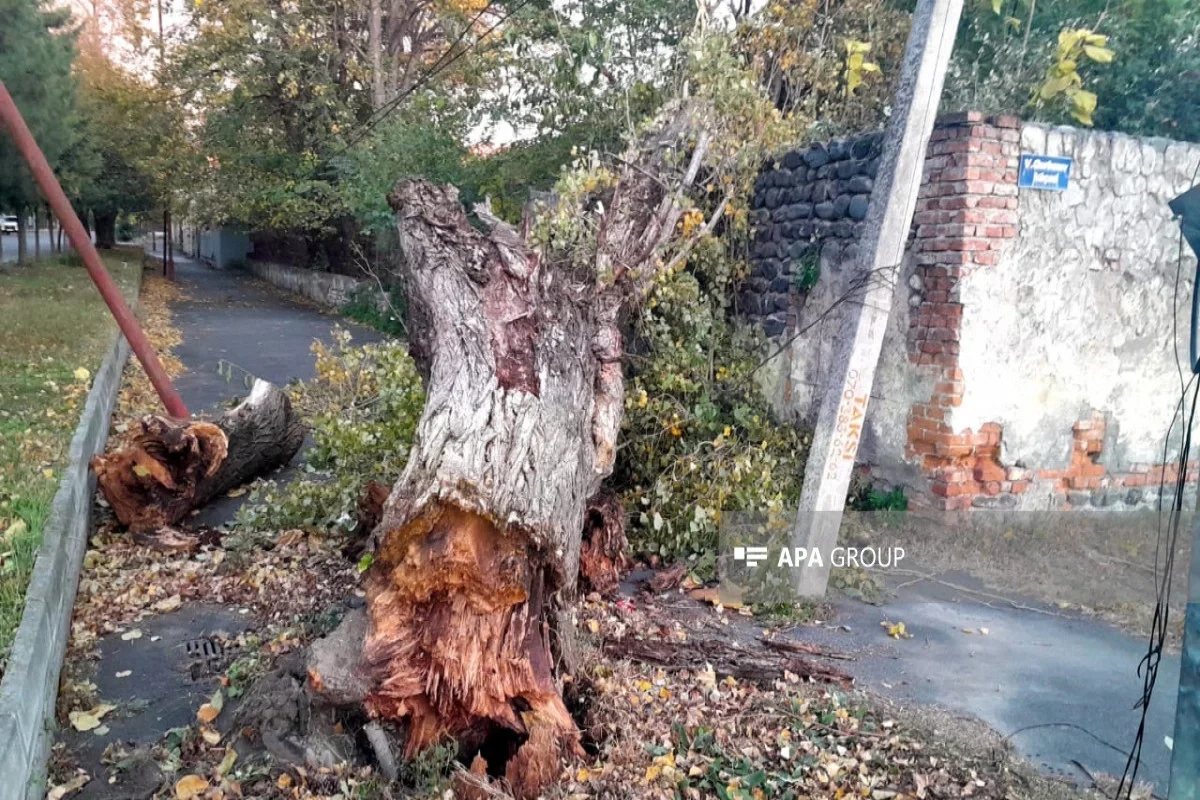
<point>1029,360</point>
<point>325,288</point>
<point>809,206</point>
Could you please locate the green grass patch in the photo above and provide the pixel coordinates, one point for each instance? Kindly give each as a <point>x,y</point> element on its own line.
<point>54,333</point>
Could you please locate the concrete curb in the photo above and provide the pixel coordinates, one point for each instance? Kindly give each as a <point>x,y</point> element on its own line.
<point>30,685</point>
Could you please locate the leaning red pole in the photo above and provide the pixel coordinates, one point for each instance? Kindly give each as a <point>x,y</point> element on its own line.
<point>44,175</point>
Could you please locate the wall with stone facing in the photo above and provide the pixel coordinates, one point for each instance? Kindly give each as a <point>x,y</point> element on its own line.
<point>328,289</point>
<point>811,203</point>
<point>1029,361</point>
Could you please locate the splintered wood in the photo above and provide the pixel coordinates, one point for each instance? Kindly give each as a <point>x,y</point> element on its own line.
<point>459,648</point>
<point>167,468</point>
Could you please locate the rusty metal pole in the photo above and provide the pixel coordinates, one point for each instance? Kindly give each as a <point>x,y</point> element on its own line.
<point>44,175</point>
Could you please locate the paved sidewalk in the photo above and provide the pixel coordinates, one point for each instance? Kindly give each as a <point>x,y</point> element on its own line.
<point>229,317</point>
<point>225,318</point>
<point>1062,686</point>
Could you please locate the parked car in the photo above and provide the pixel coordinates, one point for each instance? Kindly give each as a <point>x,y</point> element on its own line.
<point>8,224</point>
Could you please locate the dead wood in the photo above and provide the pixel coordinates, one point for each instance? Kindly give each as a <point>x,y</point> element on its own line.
<point>667,579</point>
<point>602,557</point>
<point>168,468</point>
<point>754,664</point>
<point>479,547</point>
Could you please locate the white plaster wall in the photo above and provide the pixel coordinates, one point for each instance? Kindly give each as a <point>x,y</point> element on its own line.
<point>898,383</point>
<point>1078,314</point>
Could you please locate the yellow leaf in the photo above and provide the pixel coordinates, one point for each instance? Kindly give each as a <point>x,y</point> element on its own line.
<point>129,636</point>
<point>1083,101</point>
<point>89,720</point>
<point>18,528</point>
<point>1101,55</point>
<point>870,66</point>
<point>140,471</point>
<point>582,775</point>
<point>996,6</point>
<point>81,374</point>
<point>49,473</point>
<point>210,710</point>
<point>1097,39</point>
<point>227,762</point>
<point>652,772</point>
<point>210,735</point>
<point>1067,39</point>
<point>170,604</point>
<point>190,787</point>
<point>70,787</point>
<point>284,782</point>
<point>236,492</point>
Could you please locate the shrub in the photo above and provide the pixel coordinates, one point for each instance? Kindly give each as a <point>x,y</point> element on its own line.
<point>363,306</point>
<point>362,409</point>
<point>700,438</point>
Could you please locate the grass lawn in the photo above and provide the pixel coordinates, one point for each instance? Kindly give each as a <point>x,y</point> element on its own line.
<point>54,333</point>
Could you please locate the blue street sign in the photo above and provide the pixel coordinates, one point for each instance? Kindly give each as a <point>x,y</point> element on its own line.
<point>1044,172</point>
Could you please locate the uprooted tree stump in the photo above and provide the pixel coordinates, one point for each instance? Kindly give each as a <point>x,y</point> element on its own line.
<point>169,467</point>
<point>469,597</point>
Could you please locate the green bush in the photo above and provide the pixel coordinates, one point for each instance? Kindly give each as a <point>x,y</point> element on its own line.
<point>362,410</point>
<point>700,438</point>
<point>363,306</point>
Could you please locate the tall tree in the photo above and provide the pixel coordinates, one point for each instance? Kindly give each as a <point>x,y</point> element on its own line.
<point>36,51</point>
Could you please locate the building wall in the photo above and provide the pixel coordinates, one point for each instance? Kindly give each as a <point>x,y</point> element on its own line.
<point>1029,360</point>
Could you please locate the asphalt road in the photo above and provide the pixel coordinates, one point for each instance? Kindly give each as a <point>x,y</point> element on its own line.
<point>8,244</point>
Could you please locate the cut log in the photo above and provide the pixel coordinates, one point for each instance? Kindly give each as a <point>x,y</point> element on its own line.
<point>168,467</point>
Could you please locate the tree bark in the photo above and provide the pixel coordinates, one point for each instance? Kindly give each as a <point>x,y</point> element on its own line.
<point>477,556</point>
<point>170,467</point>
<point>106,230</point>
<point>479,542</point>
<point>22,245</point>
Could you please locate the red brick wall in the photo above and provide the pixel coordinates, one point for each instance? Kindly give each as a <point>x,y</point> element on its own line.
<point>966,215</point>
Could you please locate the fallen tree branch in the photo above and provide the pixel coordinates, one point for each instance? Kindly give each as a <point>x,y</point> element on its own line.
<point>726,658</point>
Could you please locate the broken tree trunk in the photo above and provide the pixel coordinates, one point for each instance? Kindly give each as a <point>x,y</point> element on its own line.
<point>478,551</point>
<point>170,467</point>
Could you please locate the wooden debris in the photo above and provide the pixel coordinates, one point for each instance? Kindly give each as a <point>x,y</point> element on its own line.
<point>757,664</point>
<point>169,468</point>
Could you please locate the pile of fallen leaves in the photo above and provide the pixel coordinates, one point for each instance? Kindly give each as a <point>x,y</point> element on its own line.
<point>123,582</point>
<point>154,311</point>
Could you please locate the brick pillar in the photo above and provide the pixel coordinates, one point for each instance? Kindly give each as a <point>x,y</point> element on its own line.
<point>966,214</point>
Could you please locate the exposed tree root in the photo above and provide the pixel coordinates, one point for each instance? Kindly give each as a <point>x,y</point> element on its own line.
<point>170,467</point>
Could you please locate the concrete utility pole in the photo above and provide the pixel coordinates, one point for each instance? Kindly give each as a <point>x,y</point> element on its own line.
<point>844,406</point>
